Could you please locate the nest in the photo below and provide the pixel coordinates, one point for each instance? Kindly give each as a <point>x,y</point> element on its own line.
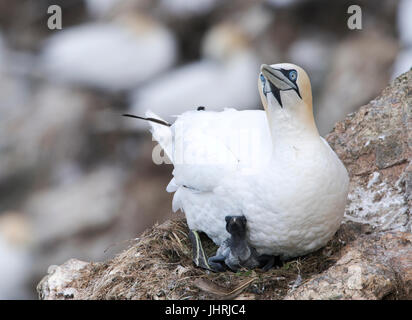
<point>158,265</point>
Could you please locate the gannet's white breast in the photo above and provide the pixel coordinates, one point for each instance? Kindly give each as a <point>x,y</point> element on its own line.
<point>298,202</point>
<point>293,198</point>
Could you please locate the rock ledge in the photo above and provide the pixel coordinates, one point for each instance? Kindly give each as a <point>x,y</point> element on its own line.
<point>370,257</point>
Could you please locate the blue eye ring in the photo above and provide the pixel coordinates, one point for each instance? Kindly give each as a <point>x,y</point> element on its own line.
<point>293,75</point>
<point>262,78</point>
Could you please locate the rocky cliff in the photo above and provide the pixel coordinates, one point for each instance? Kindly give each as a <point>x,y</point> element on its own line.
<point>370,257</point>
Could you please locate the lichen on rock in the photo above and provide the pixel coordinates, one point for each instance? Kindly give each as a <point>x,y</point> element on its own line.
<point>375,145</point>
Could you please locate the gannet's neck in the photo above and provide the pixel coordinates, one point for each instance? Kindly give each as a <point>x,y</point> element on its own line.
<point>291,126</point>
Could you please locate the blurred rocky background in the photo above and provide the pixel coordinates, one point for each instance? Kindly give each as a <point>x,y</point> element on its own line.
<point>76,178</point>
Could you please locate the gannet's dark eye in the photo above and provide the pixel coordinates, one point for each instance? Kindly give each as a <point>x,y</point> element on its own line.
<point>293,75</point>
<point>262,78</point>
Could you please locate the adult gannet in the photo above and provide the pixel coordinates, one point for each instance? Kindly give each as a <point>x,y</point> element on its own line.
<point>113,56</point>
<point>294,192</point>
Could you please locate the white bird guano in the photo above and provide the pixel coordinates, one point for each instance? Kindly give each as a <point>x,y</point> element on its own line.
<point>287,181</point>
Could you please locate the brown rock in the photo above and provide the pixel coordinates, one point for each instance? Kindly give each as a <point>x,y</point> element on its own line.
<point>375,145</point>
<point>374,267</point>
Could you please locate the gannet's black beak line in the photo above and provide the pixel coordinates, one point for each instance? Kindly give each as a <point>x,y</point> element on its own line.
<point>148,119</point>
<point>276,93</point>
<point>280,80</point>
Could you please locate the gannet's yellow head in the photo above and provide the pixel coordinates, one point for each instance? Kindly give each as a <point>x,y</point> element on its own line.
<point>286,95</point>
<point>284,85</point>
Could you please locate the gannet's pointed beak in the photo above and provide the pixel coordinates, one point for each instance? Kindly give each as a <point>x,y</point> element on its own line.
<point>278,81</point>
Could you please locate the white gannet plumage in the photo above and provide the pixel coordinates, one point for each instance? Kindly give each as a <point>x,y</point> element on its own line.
<point>286,180</point>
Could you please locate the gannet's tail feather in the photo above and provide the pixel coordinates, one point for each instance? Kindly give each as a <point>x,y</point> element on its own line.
<point>160,130</point>
<point>155,120</point>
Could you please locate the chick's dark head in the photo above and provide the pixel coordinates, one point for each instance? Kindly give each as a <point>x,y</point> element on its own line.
<point>236,225</point>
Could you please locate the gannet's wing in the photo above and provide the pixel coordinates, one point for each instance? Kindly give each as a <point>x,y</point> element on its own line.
<point>207,147</point>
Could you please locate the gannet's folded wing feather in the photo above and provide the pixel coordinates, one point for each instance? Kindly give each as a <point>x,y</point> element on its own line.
<point>206,147</point>
<point>201,158</point>
<point>202,163</point>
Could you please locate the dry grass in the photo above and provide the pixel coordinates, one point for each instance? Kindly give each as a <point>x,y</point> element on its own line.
<point>158,266</point>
